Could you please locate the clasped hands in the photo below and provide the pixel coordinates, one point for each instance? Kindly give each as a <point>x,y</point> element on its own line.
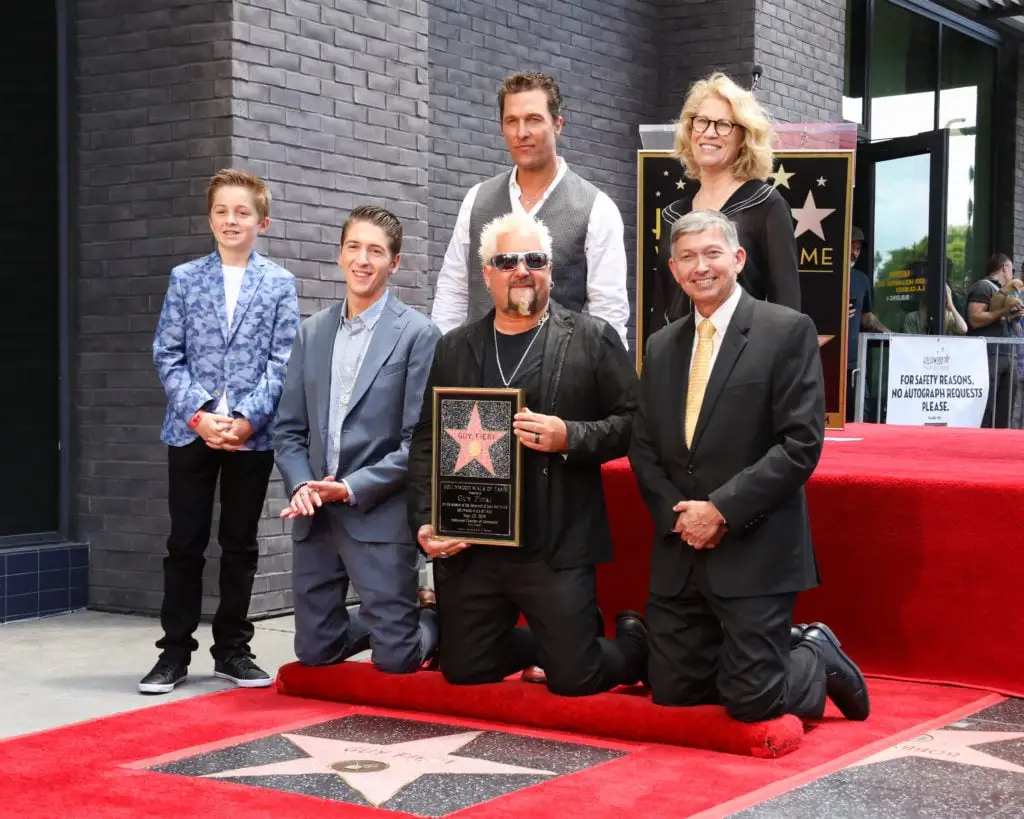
<point>312,495</point>
<point>699,524</point>
<point>222,432</point>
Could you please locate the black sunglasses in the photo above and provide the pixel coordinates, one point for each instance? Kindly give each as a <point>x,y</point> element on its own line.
<point>507,262</point>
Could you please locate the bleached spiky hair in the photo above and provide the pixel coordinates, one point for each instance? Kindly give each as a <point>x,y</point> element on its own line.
<point>512,223</point>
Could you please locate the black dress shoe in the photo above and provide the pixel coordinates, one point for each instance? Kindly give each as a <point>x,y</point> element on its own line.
<point>632,626</point>
<point>796,634</point>
<point>845,685</point>
<point>243,672</point>
<point>164,676</point>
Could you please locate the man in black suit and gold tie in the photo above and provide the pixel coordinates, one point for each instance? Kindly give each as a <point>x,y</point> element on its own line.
<point>729,429</point>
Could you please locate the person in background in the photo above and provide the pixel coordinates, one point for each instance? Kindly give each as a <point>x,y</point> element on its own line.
<point>221,350</point>
<point>916,323</point>
<point>861,316</point>
<point>589,256</point>
<point>724,142</point>
<point>994,324</point>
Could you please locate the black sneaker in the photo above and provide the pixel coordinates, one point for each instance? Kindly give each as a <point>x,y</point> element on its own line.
<point>243,672</point>
<point>165,675</point>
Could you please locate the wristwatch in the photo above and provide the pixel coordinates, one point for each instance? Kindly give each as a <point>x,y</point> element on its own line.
<point>193,422</point>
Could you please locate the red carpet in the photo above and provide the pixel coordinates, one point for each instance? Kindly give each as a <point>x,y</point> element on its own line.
<point>625,714</point>
<point>917,531</point>
<point>81,770</point>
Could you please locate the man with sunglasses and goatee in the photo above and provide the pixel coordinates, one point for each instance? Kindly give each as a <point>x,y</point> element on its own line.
<point>588,253</point>
<point>580,388</point>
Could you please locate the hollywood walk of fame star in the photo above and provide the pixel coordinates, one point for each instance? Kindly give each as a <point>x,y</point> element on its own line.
<point>379,772</point>
<point>822,181</point>
<point>681,184</point>
<point>780,177</point>
<point>475,442</point>
<point>950,746</point>
<point>810,217</point>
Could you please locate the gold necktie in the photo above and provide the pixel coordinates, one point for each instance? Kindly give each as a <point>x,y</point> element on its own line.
<point>698,376</point>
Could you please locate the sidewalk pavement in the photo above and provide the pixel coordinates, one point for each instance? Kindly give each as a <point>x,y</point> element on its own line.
<point>87,664</point>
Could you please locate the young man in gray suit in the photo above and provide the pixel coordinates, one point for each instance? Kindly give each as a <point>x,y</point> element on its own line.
<point>351,398</point>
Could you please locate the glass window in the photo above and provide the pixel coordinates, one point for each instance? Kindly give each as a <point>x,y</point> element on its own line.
<point>856,50</point>
<point>29,333</point>
<point>965,107</point>
<point>904,58</point>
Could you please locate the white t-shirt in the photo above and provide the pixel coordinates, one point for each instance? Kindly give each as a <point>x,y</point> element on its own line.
<point>232,287</point>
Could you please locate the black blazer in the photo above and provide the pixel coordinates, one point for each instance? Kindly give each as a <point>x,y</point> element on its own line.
<point>757,441</point>
<point>587,380</point>
<point>765,229</point>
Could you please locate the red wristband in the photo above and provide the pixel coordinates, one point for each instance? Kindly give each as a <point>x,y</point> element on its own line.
<point>193,422</point>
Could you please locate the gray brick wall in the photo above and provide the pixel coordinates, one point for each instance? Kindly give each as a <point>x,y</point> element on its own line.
<point>154,122</point>
<point>694,38</point>
<point>601,52</point>
<point>800,44</point>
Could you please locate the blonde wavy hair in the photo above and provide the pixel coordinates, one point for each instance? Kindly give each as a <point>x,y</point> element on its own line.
<point>755,158</point>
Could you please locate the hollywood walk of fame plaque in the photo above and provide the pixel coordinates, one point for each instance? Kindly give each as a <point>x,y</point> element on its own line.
<point>476,473</point>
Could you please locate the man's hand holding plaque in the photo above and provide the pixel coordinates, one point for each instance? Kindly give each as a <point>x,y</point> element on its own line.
<point>544,433</point>
<point>438,547</point>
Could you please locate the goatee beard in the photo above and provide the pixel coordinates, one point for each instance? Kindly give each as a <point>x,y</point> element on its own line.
<point>525,305</point>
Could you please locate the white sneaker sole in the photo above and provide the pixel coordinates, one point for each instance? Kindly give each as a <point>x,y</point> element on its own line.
<point>160,688</point>
<point>266,683</point>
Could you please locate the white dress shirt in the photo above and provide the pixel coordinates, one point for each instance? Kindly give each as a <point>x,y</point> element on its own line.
<point>720,318</point>
<point>604,248</point>
<point>232,287</point>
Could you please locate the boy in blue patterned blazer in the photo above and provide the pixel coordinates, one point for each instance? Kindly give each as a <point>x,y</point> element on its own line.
<point>221,351</point>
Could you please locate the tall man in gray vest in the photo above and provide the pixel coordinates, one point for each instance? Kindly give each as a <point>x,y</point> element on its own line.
<point>589,264</point>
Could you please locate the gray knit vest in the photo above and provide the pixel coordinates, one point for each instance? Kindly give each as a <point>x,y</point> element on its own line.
<point>566,213</point>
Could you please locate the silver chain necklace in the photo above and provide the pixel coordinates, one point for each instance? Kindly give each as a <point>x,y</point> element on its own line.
<point>522,358</point>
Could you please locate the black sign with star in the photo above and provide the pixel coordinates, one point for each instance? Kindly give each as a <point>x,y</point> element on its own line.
<point>818,187</point>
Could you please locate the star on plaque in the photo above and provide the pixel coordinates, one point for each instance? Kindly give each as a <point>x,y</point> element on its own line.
<point>822,181</point>
<point>475,442</point>
<point>379,772</point>
<point>681,184</point>
<point>810,217</point>
<point>665,173</point>
<point>780,177</point>
<point>657,193</point>
<point>951,746</point>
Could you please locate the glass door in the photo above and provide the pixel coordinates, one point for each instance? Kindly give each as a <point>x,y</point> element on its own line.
<point>900,204</point>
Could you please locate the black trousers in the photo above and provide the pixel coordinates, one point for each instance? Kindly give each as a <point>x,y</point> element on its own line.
<point>706,649</point>
<point>1000,386</point>
<point>192,473</point>
<point>480,595</point>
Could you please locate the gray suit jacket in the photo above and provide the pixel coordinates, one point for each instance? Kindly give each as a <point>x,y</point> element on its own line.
<point>383,410</point>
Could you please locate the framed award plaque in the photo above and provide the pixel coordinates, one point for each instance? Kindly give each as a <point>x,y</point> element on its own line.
<point>476,475</point>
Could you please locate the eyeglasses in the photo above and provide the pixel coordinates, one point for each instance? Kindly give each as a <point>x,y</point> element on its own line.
<point>507,262</point>
<point>723,127</point>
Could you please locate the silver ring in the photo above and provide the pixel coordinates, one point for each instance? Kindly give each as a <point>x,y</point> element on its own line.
<point>536,437</point>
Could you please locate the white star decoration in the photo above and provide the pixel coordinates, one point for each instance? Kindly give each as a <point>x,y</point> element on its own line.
<point>822,181</point>
<point>657,193</point>
<point>810,216</point>
<point>780,177</point>
<point>950,746</point>
<point>378,772</point>
<point>681,184</point>
<point>665,173</point>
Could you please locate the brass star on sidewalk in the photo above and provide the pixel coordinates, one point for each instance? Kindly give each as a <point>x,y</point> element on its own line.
<point>951,746</point>
<point>379,772</point>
